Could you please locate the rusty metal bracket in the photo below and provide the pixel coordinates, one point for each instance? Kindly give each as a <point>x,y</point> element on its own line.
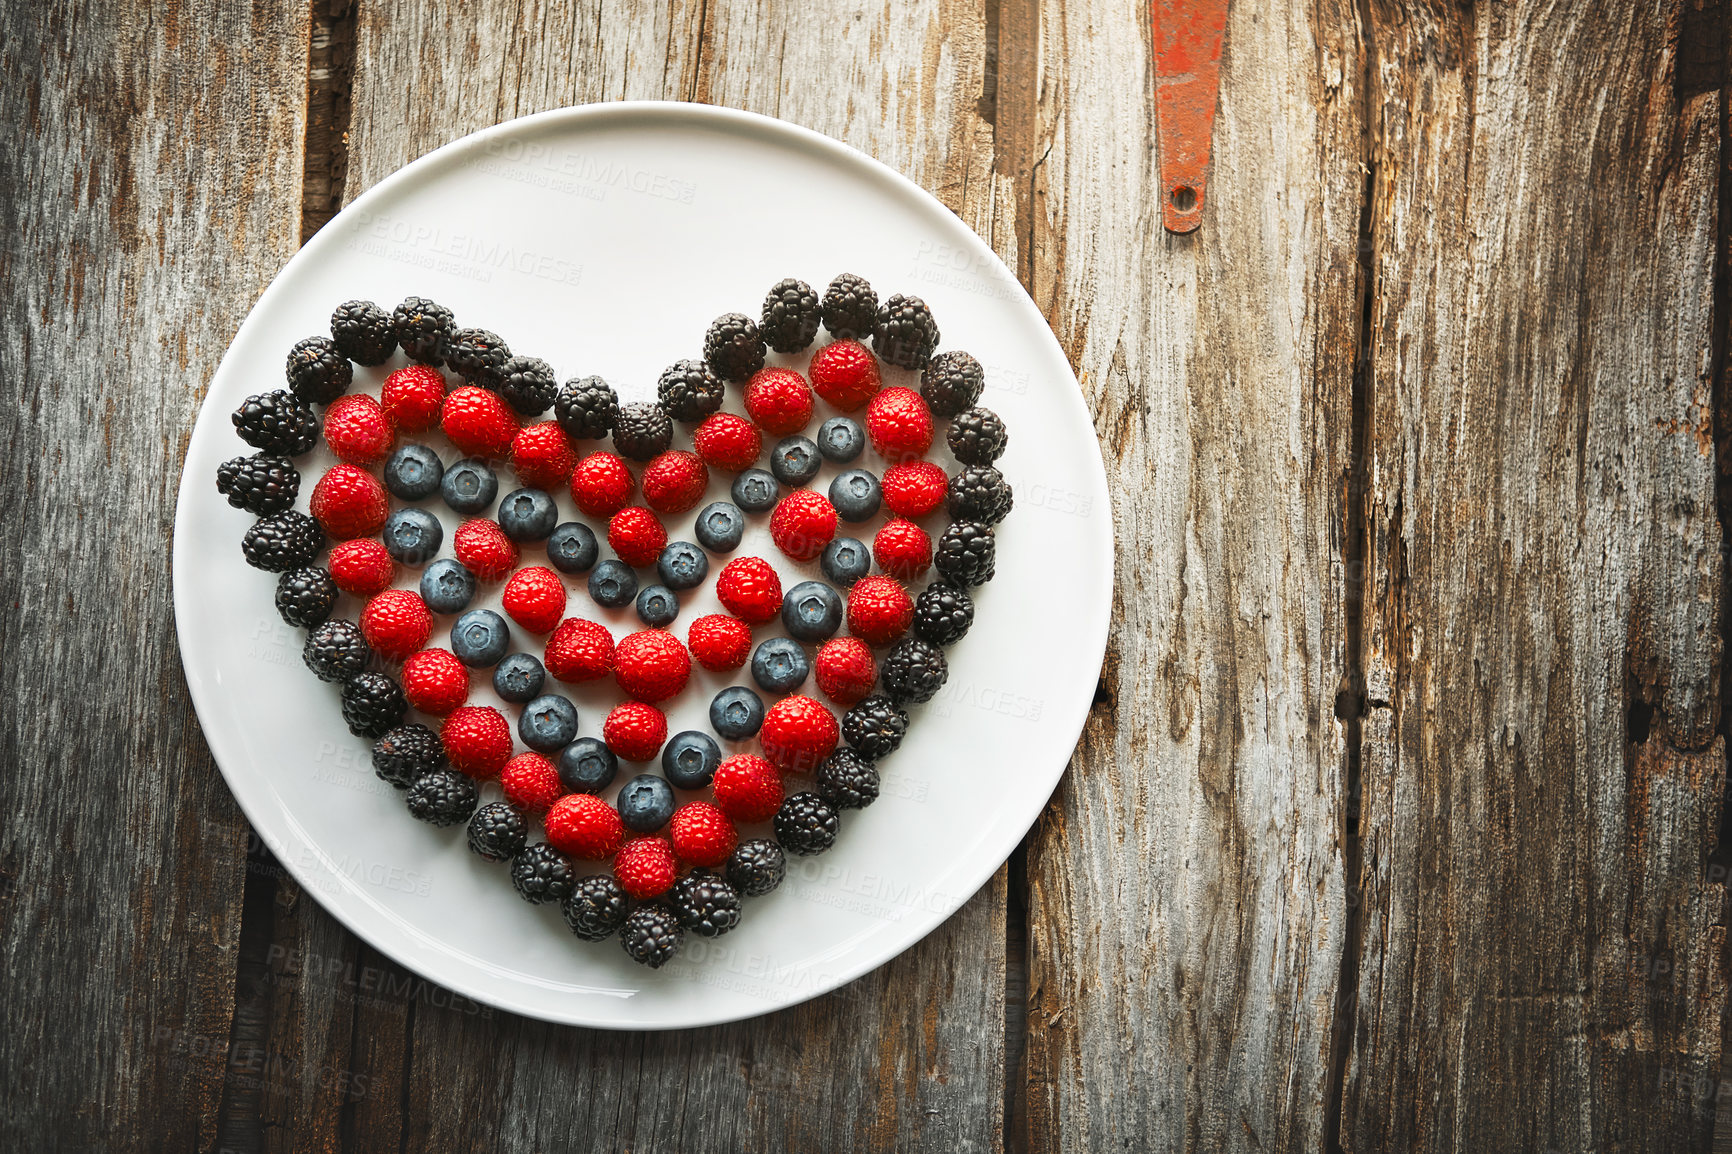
<point>1187,36</point>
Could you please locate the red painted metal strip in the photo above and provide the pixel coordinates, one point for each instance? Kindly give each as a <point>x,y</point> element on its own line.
<point>1188,36</point>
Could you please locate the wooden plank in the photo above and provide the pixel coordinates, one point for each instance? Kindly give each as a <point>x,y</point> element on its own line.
<point>1543,961</point>
<point>156,154</point>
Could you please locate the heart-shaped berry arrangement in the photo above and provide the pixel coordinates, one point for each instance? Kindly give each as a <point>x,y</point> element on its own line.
<point>668,854</point>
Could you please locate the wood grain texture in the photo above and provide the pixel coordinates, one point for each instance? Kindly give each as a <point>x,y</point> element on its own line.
<point>154,156</point>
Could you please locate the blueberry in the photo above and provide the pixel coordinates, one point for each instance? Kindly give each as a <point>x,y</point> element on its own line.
<point>413,472</point>
<point>682,565</point>
<point>612,583</point>
<point>547,723</point>
<point>657,606</point>
<point>841,439</point>
<point>846,560</point>
<point>736,713</point>
<point>527,515</point>
<point>587,766</point>
<point>412,536</point>
<point>856,495</point>
<point>447,586</point>
<point>469,486</point>
<point>690,759</point>
<point>646,802</point>
<point>479,638</point>
<point>812,611</point>
<point>754,491</point>
<point>780,665</point>
<point>720,526</point>
<point>519,677</point>
<point>795,460</point>
<point>572,548</point>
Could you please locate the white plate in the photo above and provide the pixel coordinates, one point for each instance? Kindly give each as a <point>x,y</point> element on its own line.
<point>605,239</point>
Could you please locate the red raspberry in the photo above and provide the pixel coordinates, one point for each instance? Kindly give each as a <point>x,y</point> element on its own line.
<point>535,598</point>
<point>435,682</point>
<point>845,373</point>
<point>635,731</point>
<point>803,523</point>
<point>601,485</point>
<point>779,400</point>
<point>412,397</point>
<point>879,610</point>
<point>748,788</point>
<point>362,567</point>
<point>636,534</point>
<point>579,650</point>
<point>477,740</point>
<point>748,588</point>
<point>541,456</point>
<point>914,489</point>
<point>798,733</point>
<point>651,665</point>
<point>646,867</point>
<point>702,834</point>
<point>844,669</point>
<point>531,783</point>
<point>478,422</point>
<point>727,441</point>
<point>349,502</point>
<point>719,642</point>
<point>899,424</point>
<point>396,623</point>
<point>356,429</point>
<point>902,549</point>
<point>584,826</point>
<point>484,549</point>
<point>675,481</point>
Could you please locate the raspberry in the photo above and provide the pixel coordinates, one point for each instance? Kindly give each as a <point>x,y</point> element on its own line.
<point>531,783</point>
<point>362,567</point>
<point>477,740</point>
<point>435,682</point>
<point>637,536</point>
<point>845,670</point>
<point>803,523</point>
<point>914,489</point>
<point>779,400</point>
<point>396,623</point>
<point>601,484</point>
<point>349,502</point>
<point>798,733</point>
<point>651,665</point>
<point>899,424</point>
<point>412,397</point>
<point>635,731</point>
<point>541,456</point>
<point>879,610</point>
<point>484,549</point>
<point>702,834</point>
<point>646,867</point>
<point>845,373</point>
<point>728,441</point>
<point>902,549</point>
<point>478,422</point>
<point>748,588</point>
<point>748,788</point>
<point>535,598</point>
<point>675,481</point>
<point>579,650</point>
<point>357,431</point>
<point>584,826</point>
<point>719,642</point>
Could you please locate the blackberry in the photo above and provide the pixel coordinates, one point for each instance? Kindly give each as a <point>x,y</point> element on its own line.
<point>850,307</point>
<point>913,671</point>
<point>643,431</point>
<point>977,436</point>
<point>283,541</point>
<point>542,874</point>
<point>423,329</point>
<point>372,704</point>
<point>733,347</point>
<point>336,651</point>
<point>942,613</point>
<point>705,904</point>
<point>586,408</point>
<point>277,423</point>
<point>875,726</point>
<point>596,908</point>
<point>364,332</point>
<point>317,370</point>
<point>478,356</point>
<point>791,316</point>
<point>756,866</point>
<point>979,493</point>
<point>806,824</point>
<point>905,333</point>
<point>951,382</point>
<point>443,797</point>
<point>965,553</point>
<point>497,832</point>
<point>847,781</point>
<point>651,935</point>
<point>405,753</point>
<point>527,385</point>
<point>689,391</point>
<point>306,596</point>
<point>261,484</point>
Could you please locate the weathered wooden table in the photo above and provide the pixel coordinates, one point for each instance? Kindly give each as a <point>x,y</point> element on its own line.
<point>1397,824</point>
